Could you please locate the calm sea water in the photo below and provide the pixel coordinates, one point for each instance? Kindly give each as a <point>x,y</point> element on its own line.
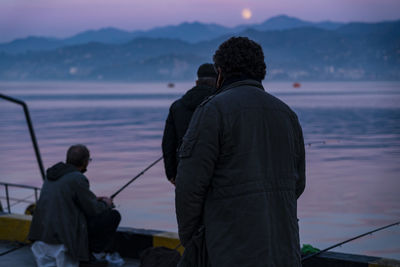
<point>353,179</point>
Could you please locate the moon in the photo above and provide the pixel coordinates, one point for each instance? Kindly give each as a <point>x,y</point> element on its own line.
<point>246,13</point>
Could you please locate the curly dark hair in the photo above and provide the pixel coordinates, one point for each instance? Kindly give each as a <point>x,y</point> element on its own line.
<point>240,56</point>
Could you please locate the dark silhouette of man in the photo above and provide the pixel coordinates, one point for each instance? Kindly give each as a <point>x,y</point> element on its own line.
<point>241,168</point>
<point>70,222</point>
<point>179,116</point>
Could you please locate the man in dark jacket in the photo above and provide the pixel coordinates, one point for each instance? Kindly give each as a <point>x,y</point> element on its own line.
<point>242,167</point>
<point>69,220</point>
<point>179,116</point>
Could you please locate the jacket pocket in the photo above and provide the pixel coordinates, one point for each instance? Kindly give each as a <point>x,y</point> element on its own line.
<point>185,151</point>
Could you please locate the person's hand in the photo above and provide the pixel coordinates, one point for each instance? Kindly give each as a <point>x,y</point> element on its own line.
<point>106,200</point>
<point>172,180</point>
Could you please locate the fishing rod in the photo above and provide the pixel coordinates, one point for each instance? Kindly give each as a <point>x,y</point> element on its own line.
<point>19,245</point>
<point>348,240</point>
<point>160,158</point>
<point>315,143</point>
<point>323,142</point>
<point>134,178</point>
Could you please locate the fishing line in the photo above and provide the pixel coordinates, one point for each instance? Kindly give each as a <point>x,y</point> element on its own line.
<point>21,200</point>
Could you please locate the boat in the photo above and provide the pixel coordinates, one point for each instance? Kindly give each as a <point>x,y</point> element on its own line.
<point>130,242</point>
<point>296,85</point>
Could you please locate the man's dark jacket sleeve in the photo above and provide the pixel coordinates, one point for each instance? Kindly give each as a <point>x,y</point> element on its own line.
<point>301,160</point>
<point>87,200</point>
<point>169,147</point>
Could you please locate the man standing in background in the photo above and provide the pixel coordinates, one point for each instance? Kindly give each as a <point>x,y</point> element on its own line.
<point>241,169</point>
<point>179,116</point>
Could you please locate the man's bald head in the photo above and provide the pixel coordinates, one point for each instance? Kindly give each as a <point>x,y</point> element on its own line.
<point>78,155</point>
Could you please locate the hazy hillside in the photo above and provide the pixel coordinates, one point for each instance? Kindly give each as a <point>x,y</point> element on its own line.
<point>31,44</point>
<point>355,51</point>
<point>106,35</point>
<point>284,22</point>
<point>190,32</point>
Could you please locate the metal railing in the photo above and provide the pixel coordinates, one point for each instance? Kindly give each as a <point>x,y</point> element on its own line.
<point>17,201</point>
<point>31,130</point>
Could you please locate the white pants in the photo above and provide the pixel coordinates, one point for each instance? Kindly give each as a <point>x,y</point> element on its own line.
<point>50,255</point>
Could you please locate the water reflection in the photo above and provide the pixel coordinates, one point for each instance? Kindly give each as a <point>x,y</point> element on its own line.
<point>352,184</point>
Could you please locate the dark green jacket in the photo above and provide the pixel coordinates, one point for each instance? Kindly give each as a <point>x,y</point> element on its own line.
<point>241,171</point>
<point>60,215</point>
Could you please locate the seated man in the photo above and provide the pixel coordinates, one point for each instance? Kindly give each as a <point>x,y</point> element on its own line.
<point>70,222</point>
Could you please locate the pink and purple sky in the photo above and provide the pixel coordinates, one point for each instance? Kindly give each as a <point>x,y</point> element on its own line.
<point>63,18</point>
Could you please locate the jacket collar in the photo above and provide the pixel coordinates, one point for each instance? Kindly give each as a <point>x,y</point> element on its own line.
<point>248,82</point>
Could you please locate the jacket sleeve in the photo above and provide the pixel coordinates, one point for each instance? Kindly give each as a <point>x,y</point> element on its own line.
<point>198,155</point>
<point>86,199</point>
<point>301,160</point>
<point>169,147</point>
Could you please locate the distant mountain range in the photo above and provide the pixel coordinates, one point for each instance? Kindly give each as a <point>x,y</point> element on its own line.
<point>294,50</point>
<point>189,32</point>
